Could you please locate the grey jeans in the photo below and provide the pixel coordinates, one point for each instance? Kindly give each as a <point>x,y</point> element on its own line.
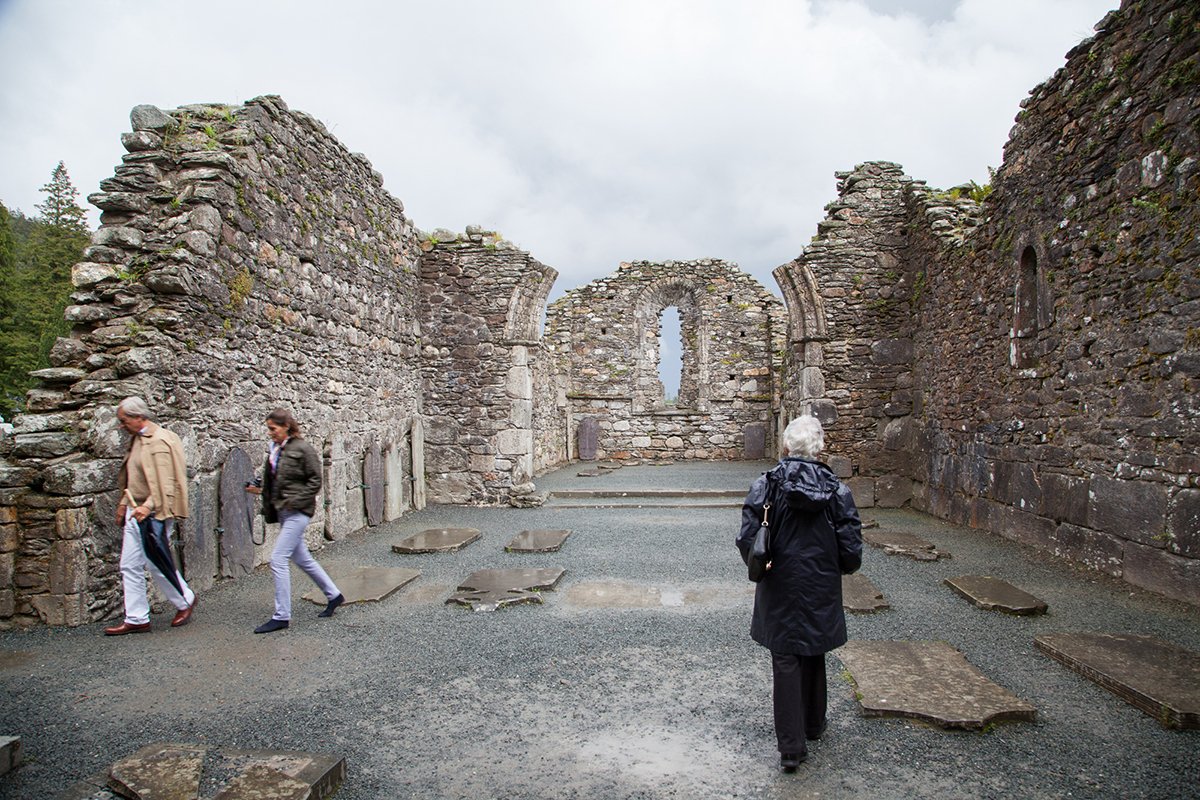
<point>291,545</point>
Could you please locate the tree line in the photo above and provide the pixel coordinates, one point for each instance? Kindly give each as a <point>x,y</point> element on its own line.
<point>36,256</point>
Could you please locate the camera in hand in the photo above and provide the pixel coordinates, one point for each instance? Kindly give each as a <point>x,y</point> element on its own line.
<point>257,482</point>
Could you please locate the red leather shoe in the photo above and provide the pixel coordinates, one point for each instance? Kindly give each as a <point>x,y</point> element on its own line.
<point>185,616</point>
<point>127,627</point>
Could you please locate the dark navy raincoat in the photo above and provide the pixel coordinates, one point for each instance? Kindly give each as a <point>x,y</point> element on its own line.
<point>816,537</point>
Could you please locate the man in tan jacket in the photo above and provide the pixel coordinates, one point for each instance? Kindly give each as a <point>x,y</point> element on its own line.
<point>153,483</point>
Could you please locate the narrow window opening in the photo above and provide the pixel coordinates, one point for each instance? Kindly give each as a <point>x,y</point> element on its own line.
<point>1025,309</point>
<point>670,354</point>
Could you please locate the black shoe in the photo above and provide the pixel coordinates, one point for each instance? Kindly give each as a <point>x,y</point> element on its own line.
<point>332,605</point>
<point>789,761</point>
<point>818,734</point>
<point>272,625</point>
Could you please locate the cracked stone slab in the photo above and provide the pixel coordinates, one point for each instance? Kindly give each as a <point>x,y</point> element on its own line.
<point>537,541</point>
<point>437,540</point>
<point>993,594</point>
<point>366,584</point>
<point>930,681</point>
<point>861,596</point>
<point>165,771</point>
<point>1160,678</point>
<point>489,589</point>
<point>904,544</point>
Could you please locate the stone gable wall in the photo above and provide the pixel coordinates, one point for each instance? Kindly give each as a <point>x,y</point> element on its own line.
<point>606,339</point>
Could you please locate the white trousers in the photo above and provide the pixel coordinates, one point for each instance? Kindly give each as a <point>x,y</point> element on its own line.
<point>133,573</point>
<point>291,546</point>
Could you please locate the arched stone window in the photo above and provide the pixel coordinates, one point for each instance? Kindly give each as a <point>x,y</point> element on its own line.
<point>649,394</point>
<point>1031,308</point>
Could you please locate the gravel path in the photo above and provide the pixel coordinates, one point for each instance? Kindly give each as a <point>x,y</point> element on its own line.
<point>577,698</point>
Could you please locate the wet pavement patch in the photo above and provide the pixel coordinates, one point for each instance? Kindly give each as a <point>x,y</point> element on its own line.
<point>437,540</point>
<point>1156,676</point>
<point>537,541</point>
<point>861,596</point>
<point>993,594</point>
<point>930,681</point>
<point>366,584</point>
<point>623,594</point>
<point>489,589</point>
<point>904,544</point>
<point>200,772</point>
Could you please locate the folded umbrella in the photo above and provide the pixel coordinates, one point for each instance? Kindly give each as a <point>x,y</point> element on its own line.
<point>156,547</point>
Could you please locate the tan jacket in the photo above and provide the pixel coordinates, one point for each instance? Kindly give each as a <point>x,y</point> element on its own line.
<point>166,472</point>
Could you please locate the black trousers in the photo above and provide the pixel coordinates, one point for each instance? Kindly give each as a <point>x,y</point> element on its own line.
<point>800,698</point>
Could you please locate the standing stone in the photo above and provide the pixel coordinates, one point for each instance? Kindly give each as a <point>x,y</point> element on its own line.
<point>755,448</point>
<point>237,515</point>
<point>374,488</point>
<point>589,436</point>
<point>200,541</point>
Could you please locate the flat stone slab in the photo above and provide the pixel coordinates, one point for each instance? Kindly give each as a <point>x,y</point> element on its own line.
<point>930,681</point>
<point>1156,676</point>
<point>489,589</point>
<point>367,584</point>
<point>588,473</point>
<point>861,596</point>
<point>168,771</point>
<point>904,544</point>
<point>10,753</point>
<point>437,540</point>
<point>994,594</point>
<point>537,541</point>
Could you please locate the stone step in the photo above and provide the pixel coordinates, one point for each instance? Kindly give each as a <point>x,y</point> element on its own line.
<point>740,494</point>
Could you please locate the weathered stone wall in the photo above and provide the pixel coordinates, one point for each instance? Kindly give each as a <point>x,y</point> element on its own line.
<point>606,339</point>
<point>1030,366</point>
<point>1060,357</point>
<point>481,306</point>
<point>245,259</point>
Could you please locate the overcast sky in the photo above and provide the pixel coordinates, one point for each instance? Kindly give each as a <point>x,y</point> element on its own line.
<point>588,133</point>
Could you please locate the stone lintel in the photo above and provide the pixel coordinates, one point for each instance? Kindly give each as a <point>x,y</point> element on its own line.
<point>993,594</point>
<point>930,681</point>
<point>1153,675</point>
<point>437,540</point>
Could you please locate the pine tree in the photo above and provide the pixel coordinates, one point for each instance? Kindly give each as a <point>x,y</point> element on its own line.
<point>37,287</point>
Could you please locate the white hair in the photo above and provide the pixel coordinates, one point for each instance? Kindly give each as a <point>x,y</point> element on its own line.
<point>134,407</point>
<point>804,437</point>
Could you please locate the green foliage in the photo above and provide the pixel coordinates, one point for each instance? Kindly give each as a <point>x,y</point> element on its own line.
<point>36,256</point>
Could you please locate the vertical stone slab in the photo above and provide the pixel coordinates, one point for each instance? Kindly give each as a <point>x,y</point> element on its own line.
<point>588,437</point>
<point>374,489</point>
<point>418,464</point>
<point>199,532</point>
<point>393,472</point>
<point>237,515</point>
<point>755,446</point>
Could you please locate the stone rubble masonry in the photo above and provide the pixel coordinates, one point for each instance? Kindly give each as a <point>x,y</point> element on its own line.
<point>1024,361</point>
<point>605,338</point>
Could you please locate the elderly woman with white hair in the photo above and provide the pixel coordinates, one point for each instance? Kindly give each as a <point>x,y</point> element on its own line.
<point>816,537</point>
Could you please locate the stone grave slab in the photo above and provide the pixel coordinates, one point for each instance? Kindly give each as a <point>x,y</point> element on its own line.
<point>10,753</point>
<point>588,473</point>
<point>930,681</point>
<point>366,584</point>
<point>238,509</point>
<point>904,544</point>
<point>374,484</point>
<point>199,532</point>
<point>861,596</point>
<point>609,466</point>
<point>754,442</point>
<point>201,772</point>
<point>588,438</point>
<point>489,589</point>
<point>537,541</point>
<point>1153,675</point>
<point>437,540</point>
<point>993,594</point>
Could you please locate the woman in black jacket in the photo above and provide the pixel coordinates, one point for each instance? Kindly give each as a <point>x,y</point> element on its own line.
<point>291,481</point>
<point>816,537</point>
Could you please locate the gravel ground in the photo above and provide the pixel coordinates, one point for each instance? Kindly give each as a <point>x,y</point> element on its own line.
<point>572,699</point>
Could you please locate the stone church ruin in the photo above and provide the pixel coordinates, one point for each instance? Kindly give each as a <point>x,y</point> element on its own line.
<point>1027,364</point>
